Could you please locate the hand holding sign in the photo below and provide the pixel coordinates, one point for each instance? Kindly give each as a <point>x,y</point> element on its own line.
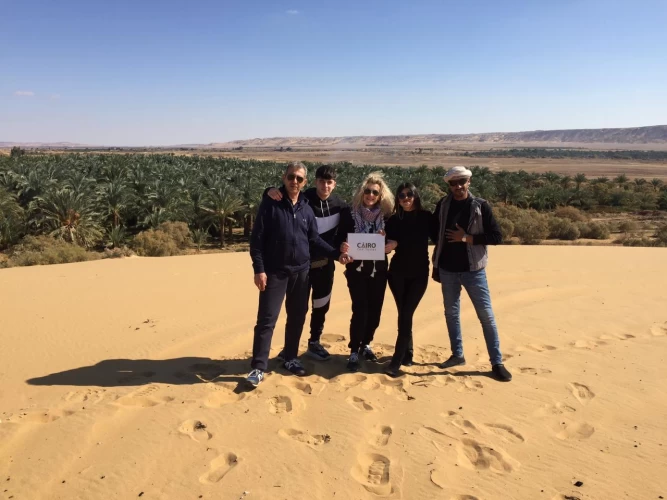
<point>364,246</point>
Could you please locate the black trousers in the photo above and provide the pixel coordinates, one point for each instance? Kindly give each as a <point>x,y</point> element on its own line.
<point>321,282</point>
<point>367,296</point>
<point>293,289</point>
<point>408,292</point>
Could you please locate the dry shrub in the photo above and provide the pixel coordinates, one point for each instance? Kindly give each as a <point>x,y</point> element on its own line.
<point>509,212</point>
<point>179,232</point>
<point>628,226</point>
<point>593,230</point>
<point>563,229</point>
<point>43,250</point>
<point>571,213</point>
<point>170,238</point>
<point>661,234</point>
<point>506,228</point>
<point>531,228</point>
<point>118,252</point>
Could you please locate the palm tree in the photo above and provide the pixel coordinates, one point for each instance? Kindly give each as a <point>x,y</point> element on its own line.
<point>70,216</point>
<point>12,218</point>
<point>221,201</point>
<point>621,180</point>
<point>579,179</point>
<point>657,184</point>
<point>115,197</point>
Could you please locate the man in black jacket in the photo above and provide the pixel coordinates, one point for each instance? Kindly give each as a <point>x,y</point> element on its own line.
<point>466,227</point>
<point>327,208</point>
<point>280,252</point>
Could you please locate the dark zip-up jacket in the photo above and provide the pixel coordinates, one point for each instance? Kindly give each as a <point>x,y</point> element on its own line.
<point>282,235</point>
<point>327,215</point>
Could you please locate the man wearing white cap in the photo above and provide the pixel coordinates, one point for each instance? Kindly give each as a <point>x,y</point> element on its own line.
<point>466,227</point>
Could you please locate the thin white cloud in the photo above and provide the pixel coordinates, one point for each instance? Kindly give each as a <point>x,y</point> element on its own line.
<point>24,93</point>
<point>293,12</point>
<point>55,96</point>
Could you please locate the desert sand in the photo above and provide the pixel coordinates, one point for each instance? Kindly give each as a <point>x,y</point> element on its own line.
<point>118,379</point>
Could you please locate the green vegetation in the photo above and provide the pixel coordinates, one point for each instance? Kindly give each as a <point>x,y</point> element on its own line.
<point>163,204</point>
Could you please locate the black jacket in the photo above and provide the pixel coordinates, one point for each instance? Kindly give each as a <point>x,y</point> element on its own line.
<point>327,214</point>
<point>282,235</point>
<point>412,231</point>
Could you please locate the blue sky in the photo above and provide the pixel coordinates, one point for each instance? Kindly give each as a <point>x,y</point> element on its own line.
<point>147,72</point>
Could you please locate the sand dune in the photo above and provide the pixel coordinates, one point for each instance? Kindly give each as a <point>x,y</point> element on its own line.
<point>118,379</point>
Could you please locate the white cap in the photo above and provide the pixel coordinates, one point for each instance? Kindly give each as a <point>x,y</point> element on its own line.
<point>457,172</point>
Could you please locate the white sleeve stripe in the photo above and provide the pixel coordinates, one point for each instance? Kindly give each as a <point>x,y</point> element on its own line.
<point>325,224</point>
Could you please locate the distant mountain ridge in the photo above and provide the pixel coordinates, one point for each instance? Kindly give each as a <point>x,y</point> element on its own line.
<point>656,134</point>
<point>637,135</point>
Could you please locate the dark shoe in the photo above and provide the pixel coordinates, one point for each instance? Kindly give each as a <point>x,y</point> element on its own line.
<point>453,361</point>
<point>407,359</point>
<point>369,355</point>
<point>317,351</point>
<point>281,355</point>
<point>501,373</point>
<point>353,362</point>
<point>393,371</point>
<point>295,367</point>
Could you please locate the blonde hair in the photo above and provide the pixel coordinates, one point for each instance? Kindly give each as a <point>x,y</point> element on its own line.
<point>386,197</point>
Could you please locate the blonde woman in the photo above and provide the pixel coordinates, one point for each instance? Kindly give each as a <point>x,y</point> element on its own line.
<point>366,279</point>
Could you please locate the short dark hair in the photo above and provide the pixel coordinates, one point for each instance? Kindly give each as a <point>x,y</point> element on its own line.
<point>326,172</point>
<point>417,203</point>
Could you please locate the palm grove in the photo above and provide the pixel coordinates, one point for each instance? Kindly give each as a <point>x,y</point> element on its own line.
<point>97,201</point>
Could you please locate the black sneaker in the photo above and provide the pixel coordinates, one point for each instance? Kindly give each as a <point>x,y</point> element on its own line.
<point>295,367</point>
<point>407,359</point>
<point>501,373</point>
<point>353,362</point>
<point>369,355</point>
<point>393,371</point>
<point>453,361</point>
<point>317,351</point>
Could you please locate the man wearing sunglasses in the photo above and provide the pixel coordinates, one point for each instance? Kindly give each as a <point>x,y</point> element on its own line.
<point>280,244</point>
<point>465,227</point>
<point>327,208</point>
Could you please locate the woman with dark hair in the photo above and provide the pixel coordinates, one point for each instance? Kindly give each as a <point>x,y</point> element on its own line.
<point>411,227</point>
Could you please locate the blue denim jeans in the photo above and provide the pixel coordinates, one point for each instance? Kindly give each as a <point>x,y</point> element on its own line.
<point>478,290</point>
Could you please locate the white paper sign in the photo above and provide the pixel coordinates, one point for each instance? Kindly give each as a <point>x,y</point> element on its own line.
<point>366,246</point>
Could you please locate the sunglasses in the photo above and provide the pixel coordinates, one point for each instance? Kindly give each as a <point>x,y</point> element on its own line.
<point>374,192</point>
<point>458,182</point>
<point>408,194</point>
<point>299,179</point>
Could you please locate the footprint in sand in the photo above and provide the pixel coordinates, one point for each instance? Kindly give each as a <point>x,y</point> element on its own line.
<point>349,380</point>
<point>566,497</point>
<point>88,396</point>
<point>206,371</point>
<point>574,430</point>
<point>332,338</point>
<point>581,392</point>
<point>280,404</point>
<point>659,330</point>
<point>482,457</point>
<point>360,404</point>
<point>44,416</point>
<point>381,435</point>
<point>301,387</point>
<point>470,385</point>
<point>506,432</point>
<point>222,394</point>
<point>555,409</point>
<point>463,497</point>
<point>373,471</point>
<point>196,430</point>
<point>312,440</point>
<point>454,419</point>
<point>587,344</point>
<point>144,398</point>
<point>534,371</point>
<point>625,336</point>
<point>539,347</point>
<point>220,467</point>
